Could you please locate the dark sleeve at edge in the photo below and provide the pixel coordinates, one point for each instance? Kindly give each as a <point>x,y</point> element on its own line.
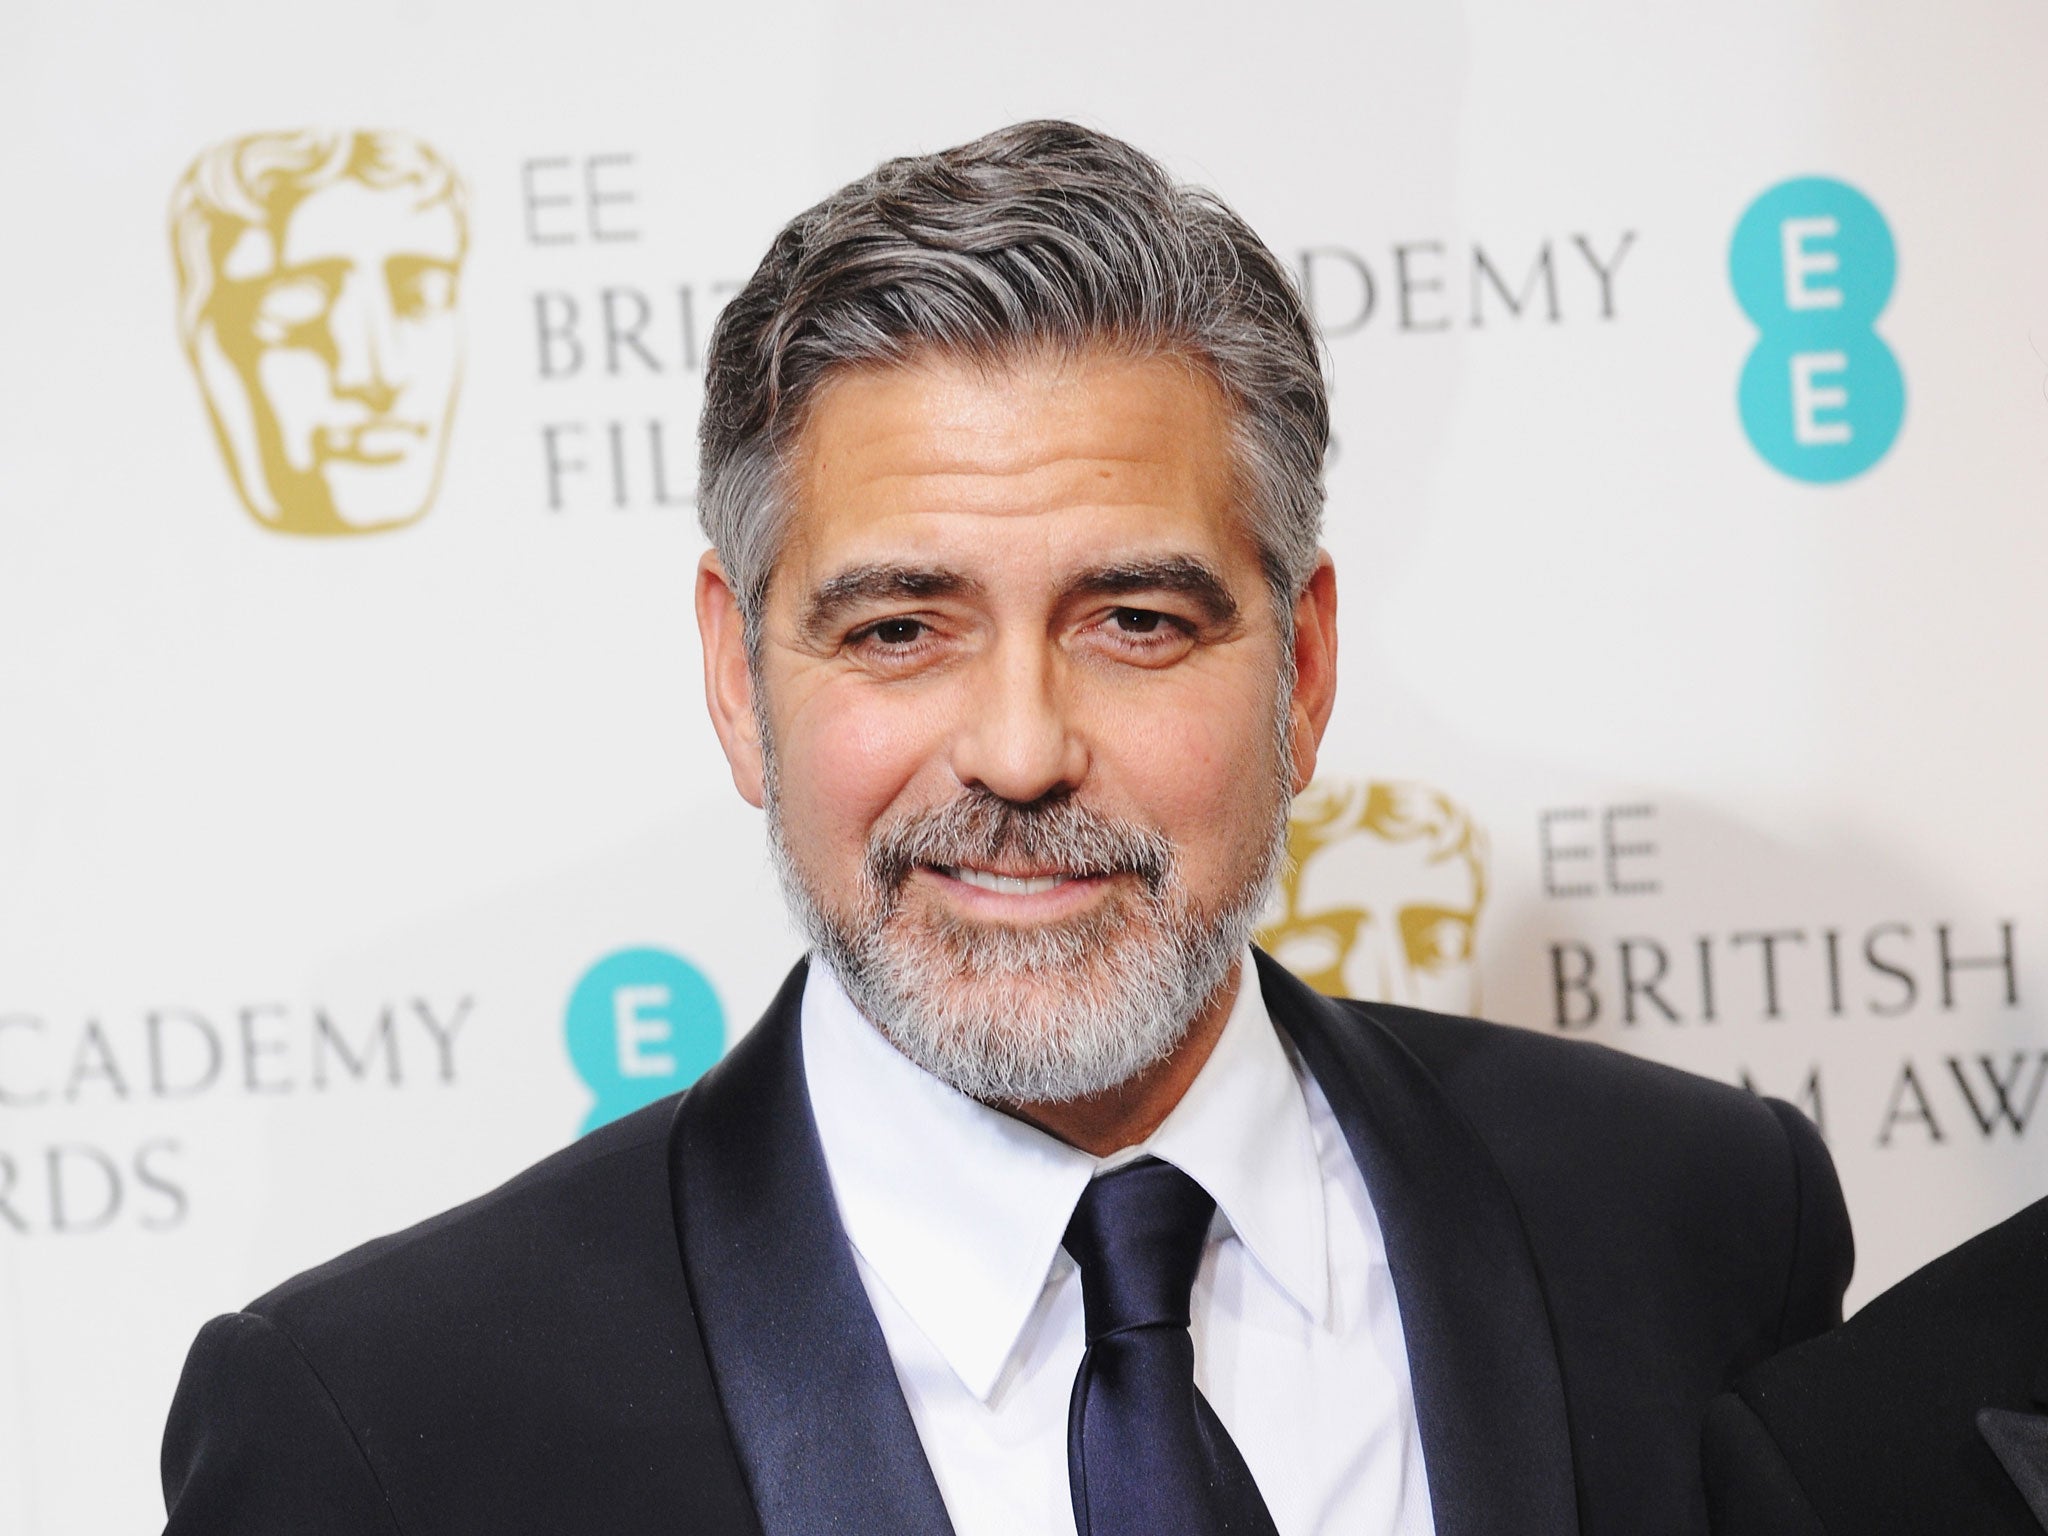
<point>255,1445</point>
<point>1750,1489</point>
<point>1823,1249</point>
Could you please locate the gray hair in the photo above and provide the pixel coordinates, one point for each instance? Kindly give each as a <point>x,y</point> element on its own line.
<point>1043,234</point>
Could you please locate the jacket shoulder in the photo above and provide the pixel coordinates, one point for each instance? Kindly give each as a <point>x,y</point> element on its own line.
<point>1483,1064</point>
<point>1726,1204</point>
<point>1682,1230</point>
<point>528,1361</point>
<point>1966,1331</point>
<point>1975,1309</point>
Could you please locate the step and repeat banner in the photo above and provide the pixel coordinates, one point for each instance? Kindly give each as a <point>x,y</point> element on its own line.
<point>362,838</point>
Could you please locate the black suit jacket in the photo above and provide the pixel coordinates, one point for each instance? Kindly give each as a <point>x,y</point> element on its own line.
<point>1927,1412</point>
<point>661,1329</point>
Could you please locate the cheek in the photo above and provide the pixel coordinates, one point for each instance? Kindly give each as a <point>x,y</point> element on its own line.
<point>1199,766</point>
<point>846,757</point>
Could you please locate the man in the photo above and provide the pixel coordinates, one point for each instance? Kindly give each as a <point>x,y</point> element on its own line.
<point>1381,895</point>
<point>1036,1203</point>
<point>1926,1413</point>
<point>317,286</point>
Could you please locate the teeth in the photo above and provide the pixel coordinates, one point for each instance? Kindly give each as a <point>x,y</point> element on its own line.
<point>1008,885</point>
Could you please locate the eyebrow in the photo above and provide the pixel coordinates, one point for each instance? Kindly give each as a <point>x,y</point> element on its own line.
<point>880,583</point>
<point>1183,575</point>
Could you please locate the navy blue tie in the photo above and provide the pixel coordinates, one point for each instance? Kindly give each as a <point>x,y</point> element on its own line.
<point>1146,1454</point>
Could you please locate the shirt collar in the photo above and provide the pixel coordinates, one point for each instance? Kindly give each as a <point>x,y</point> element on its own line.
<point>958,1209</point>
<point>1242,1132</point>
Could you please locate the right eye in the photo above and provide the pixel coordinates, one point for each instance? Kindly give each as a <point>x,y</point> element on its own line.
<point>895,632</point>
<point>901,645</point>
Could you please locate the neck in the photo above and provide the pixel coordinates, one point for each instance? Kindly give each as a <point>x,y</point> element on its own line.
<point>1125,1115</point>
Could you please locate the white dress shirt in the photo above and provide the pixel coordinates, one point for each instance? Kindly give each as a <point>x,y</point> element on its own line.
<point>955,1212</point>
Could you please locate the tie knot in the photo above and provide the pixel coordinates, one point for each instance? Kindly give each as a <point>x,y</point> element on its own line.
<point>1137,1235</point>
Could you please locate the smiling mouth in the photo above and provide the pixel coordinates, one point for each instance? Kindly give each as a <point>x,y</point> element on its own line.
<point>1005,885</point>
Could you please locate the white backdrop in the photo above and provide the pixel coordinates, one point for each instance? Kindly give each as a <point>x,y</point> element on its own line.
<point>306,843</point>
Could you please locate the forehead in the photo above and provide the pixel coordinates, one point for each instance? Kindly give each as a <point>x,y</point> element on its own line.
<point>1063,451</point>
<point>352,221</point>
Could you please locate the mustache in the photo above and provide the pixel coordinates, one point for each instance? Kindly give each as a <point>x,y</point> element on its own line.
<point>983,829</point>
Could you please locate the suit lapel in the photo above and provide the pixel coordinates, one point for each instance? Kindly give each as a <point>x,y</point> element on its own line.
<point>803,1373</point>
<point>1488,1391</point>
<point>2020,1442</point>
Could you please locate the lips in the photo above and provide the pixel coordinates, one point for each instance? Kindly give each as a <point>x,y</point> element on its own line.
<point>1014,850</point>
<point>1005,885</point>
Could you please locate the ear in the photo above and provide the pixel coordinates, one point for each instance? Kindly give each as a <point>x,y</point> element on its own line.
<point>1315,667</point>
<point>728,680</point>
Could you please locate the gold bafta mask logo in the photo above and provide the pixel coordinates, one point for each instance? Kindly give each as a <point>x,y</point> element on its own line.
<point>318,275</point>
<point>1382,896</point>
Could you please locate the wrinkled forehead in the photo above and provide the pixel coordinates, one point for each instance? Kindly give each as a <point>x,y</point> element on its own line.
<point>954,451</point>
<point>351,222</point>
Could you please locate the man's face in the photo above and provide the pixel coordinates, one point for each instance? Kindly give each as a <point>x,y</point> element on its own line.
<point>1025,594</point>
<point>1383,919</point>
<point>341,334</point>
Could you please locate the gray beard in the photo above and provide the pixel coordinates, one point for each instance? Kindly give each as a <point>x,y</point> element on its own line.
<point>1038,1015</point>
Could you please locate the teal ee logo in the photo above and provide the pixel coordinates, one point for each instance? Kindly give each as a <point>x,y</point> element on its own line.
<point>1812,263</point>
<point>642,1023</point>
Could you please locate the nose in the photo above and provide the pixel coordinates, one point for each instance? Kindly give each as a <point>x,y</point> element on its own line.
<point>1018,738</point>
<point>361,324</point>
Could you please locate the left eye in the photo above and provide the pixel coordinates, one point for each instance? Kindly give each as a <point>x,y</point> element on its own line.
<point>1138,621</point>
